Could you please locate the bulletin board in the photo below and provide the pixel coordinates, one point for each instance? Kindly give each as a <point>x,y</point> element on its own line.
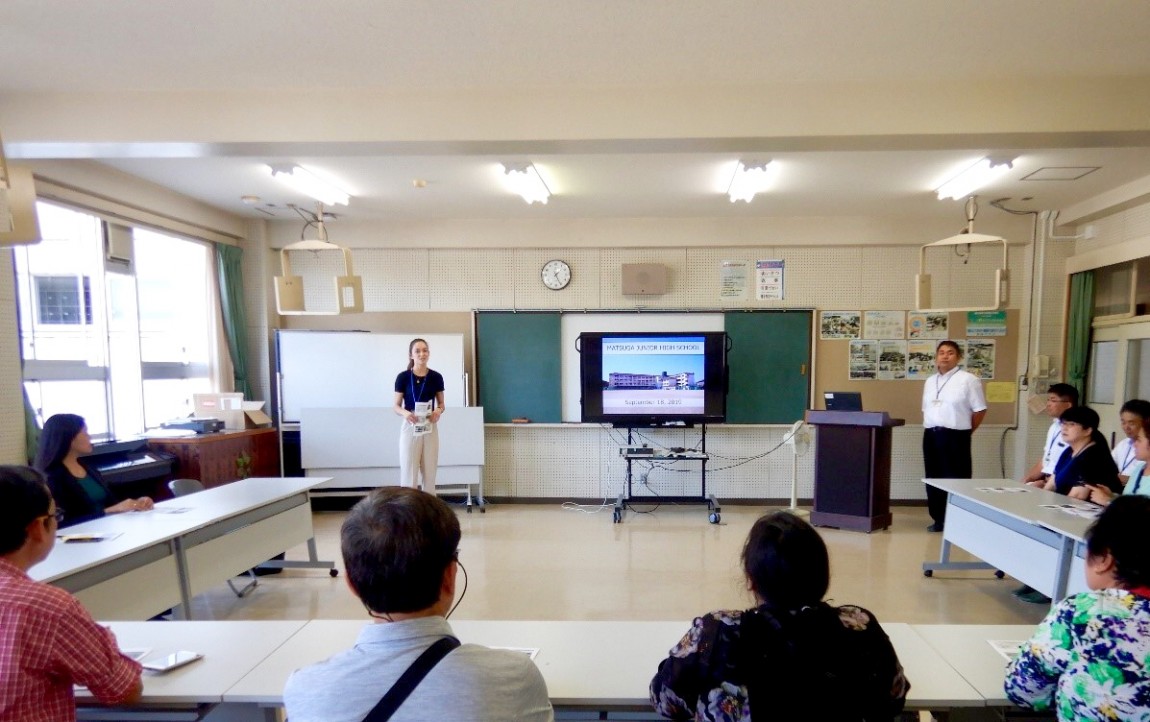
<point>902,399</point>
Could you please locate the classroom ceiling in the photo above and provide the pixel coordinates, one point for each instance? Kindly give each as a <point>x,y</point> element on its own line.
<point>60,49</point>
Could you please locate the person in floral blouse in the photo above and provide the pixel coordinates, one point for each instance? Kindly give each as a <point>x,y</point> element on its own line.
<point>1090,657</point>
<point>790,657</point>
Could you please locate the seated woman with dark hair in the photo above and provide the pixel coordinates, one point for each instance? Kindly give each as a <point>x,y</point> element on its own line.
<point>1088,657</point>
<point>1086,461</point>
<point>79,494</point>
<point>793,656</point>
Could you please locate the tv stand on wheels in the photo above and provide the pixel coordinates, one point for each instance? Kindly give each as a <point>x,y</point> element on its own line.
<point>632,454</point>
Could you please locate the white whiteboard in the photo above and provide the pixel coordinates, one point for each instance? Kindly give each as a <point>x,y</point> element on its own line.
<point>353,369</point>
<point>573,324</point>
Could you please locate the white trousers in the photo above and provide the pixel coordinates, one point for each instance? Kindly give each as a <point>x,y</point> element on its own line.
<point>418,455</point>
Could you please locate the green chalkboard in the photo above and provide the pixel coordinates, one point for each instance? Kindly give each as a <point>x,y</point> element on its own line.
<point>519,366</point>
<point>770,366</point>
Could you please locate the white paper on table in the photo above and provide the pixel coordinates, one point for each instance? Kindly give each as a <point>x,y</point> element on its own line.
<point>1008,648</point>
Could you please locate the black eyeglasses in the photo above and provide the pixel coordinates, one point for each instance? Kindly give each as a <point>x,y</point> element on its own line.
<point>58,514</point>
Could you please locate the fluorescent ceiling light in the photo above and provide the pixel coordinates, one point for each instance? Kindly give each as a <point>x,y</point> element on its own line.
<point>751,178</point>
<point>974,177</point>
<point>308,183</point>
<point>525,180</point>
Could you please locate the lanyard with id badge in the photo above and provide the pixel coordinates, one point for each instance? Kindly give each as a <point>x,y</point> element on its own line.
<point>422,408</point>
<point>938,389</point>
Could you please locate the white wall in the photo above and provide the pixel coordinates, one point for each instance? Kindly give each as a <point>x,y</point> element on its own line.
<point>441,272</point>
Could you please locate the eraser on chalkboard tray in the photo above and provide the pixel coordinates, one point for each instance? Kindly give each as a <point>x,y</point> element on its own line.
<point>521,420</point>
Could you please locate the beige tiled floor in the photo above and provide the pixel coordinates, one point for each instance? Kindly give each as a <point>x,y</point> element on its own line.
<point>550,563</point>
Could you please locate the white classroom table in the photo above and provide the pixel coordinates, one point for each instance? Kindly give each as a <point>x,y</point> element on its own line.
<point>967,649</point>
<point>159,560</point>
<point>230,650</point>
<point>1012,533</point>
<point>605,666</point>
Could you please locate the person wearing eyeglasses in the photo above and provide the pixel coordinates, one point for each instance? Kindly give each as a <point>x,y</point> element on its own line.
<point>1059,398</point>
<point>400,549</point>
<point>48,641</point>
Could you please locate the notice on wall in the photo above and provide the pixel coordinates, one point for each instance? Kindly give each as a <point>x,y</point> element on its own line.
<point>769,279</point>
<point>1001,392</point>
<point>884,324</point>
<point>839,324</point>
<point>919,360</point>
<point>927,325</point>
<point>986,323</point>
<point>733,279</point>
<point>891,360</point>
<point>979,358</point>
<point>863,360</point>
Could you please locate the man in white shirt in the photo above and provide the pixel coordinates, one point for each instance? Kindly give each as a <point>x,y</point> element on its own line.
<point>1059,398</point>
<point>953,406</point>
<point>1132,414</point>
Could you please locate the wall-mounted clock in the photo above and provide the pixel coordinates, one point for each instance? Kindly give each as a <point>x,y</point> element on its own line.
<point>556,274</point>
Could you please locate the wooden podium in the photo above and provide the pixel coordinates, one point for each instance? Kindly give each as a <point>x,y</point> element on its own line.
<point>852,469</point>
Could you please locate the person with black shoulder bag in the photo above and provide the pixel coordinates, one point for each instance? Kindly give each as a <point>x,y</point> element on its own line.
<point>400,549</point>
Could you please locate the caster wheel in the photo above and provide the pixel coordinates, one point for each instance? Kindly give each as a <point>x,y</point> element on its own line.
<point>714,517</point>
<point>616,517</point>
<point>928,572</point>
<point>468,510</point>
<point>482,510</point>
<point>999,574</point>
<point>333,573</point>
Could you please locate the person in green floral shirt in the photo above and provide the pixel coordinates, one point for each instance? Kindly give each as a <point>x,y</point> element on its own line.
<point>1090,657</point>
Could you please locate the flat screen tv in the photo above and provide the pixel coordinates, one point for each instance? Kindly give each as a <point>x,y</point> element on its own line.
<point>653,379</point>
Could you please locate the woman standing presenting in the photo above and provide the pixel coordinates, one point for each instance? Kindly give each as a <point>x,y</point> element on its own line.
<point>419,400</point>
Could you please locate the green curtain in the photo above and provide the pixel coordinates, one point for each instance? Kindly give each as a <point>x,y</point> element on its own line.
<point>1078,329</point>
<point>229,267</point>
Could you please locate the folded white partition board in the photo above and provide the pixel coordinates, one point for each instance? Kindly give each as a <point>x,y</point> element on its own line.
<point>356,369</point>
<point>359,447</point>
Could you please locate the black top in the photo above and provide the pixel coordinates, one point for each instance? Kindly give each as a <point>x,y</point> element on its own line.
<point>749,666</point>
<point>71,498</point>
<point>418,388</point>
<point>1093,466</point>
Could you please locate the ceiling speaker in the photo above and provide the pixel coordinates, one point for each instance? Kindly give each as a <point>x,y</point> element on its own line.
<point>644,279</point>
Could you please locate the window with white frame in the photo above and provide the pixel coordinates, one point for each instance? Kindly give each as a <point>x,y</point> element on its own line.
<point>123,345</point>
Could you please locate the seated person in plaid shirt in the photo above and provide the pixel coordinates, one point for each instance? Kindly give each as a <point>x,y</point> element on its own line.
<point>48,641</point>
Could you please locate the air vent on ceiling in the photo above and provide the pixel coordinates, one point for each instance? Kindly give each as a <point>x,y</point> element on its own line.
<point>1061,173</point>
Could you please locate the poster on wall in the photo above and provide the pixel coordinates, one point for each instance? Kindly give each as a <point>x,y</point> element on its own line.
<point>884,324</point>
<point>863,360</point>
<point>986,323</point>
<point>919,359</point>
<point>733,279</point>
<point>891,360</point>
<point>769,277</point>
<point>927,325</point>
<point>839,324</point>
<point>980,357</point>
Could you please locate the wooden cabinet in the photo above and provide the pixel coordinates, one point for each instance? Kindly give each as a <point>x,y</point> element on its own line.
<point>223,457</point>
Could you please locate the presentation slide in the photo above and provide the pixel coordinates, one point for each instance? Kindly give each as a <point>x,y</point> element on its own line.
<point>653,375</point>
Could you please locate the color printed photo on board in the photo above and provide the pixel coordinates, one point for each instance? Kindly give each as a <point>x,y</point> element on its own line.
<point>652,375</point>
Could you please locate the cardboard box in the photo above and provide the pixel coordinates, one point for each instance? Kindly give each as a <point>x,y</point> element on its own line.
<point>232,410</point>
